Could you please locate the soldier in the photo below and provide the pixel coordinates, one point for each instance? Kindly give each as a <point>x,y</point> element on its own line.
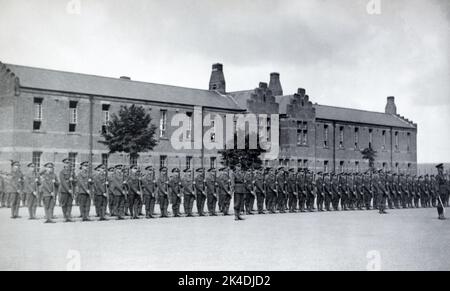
<point>260,190</point>
<point>225,190</point>
<point>15,189</point>
<point>149,190</point>
<point>271,190</point>
<point>292,190</point>
<point>118,192</point>
<point>309,190</point>
<point>281,189</point>
<point>134,192</point>
<point>31,188</point>
<point>188,189</point>
<point>50,186</point>
<point>390,189</point>
<point>300,186</point>
<point>321,190</point>
<point>163,192</point>
<point>84,186</point>
<point>2,191</point>
<point>101,189</point>
<point>239,191</point>
<point>67,189</point>
<point>111,173</point>
<point>249,195</point>
<point>442,191</point>
<point>359,190</point>
<point>175,191</point>
<point>200,189</point>
<point>332,198</point>
<point>381,191</point>
<point>128,204</point>
<point>211,192</point>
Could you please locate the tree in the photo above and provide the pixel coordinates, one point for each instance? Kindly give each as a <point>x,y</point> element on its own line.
<point>370,155</point>
<point>130,131</point>
<point>247,157</point>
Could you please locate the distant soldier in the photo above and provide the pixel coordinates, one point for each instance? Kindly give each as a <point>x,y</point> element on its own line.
<point>434,191</point>
<point>271,190</point>
<point>390,189</point>
<point>359,190</point>
<point>101,189</point>
<point>310,190</point>
<point>300,186</point>
<point>14,189</point>
<point>380,191</point>
<point>118,192</point>
<point>292,190</point>
<point>2,190</point>
<point>188,189</point>
<point>367,190</point>
<point>442,191</point>
<point>149,191</point>
<point>239,191</point>
<point>67,189</point>
<point>49,188</point>
<point>321,190</point>
<point>200,188</point>
<point>175,191</point>
<point>211,191</point>
<point>84,187</point>
<point>260,190</point>
<point>281,183</point>
<point>342,191</point>
<point>333,192</point>
<point>163,192</point>
<point>134,192</point>
<point>31,189</point>
<point>111,173</point>
<point>249,195</point>
<point>224,185</point>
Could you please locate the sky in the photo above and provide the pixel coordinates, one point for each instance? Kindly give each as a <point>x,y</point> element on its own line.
<point>348,53</point>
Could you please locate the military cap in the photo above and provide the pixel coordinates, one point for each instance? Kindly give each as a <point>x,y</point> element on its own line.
<point>101,166</point>
<point>319,173</point>
<point>211,169</point>
<point>84,164</point>
<point>149,168</point>
<point>223,169</point>
<point>110,169</point>
<point>133,167</point>
<point>440,166</point>
<point>187,170</point>
<point>280,168</point>
<point>119,167</point>
<point>13,163</point>
<point>49,165</point>
<point>30,165</point>
<point>380,171</point>
<point>175,170</point>
<point>66,161</point>
<point>199,170</point>
<point>163,169</point>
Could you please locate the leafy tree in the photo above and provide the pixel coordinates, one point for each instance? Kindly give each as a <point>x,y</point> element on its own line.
<point>130,131</point>
<point>369,154</point>
<point>247,157</point>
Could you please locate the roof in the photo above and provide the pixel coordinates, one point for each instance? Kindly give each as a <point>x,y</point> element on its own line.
<point>351,115</point>
<point>45,79</point>
<point>241,97</point>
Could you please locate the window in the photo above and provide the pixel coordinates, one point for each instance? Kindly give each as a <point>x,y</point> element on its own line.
<point>189,131</point>
<point>341,137</point>
<point>305,164</point>
<point>341,166</point>
<point>73,115</point>
<point>188,162</point>
<point>396,141</point>
<point>212,163</point>
<point>134,160</point>
<point>105,158</point>
<point>357,166</point>
<point>37,122</point>
<point>325,166</point>
<point>408,146</point>
<point>162,161</point>
<point>397,168</point>
<point>384,139</point>
<point>356,138</point>
<point>73,160</point>
<point>163,123</point>
<point>37,159</point>
<point>299,163</point>
<point>384,166</point>
<point>105,114</point>
<point>409,167</point>
<point>325,136</point>
<point>370,138</point>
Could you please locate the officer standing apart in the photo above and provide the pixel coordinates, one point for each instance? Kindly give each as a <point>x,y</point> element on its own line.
<point>442,191</point>
<point>31,189</point>
<point>84,183</point>
<point>15,189</point>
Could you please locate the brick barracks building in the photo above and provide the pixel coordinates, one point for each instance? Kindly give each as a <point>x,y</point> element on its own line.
<point>48,115</point>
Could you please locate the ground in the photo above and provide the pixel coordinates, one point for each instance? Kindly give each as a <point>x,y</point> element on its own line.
<point>411,239</point>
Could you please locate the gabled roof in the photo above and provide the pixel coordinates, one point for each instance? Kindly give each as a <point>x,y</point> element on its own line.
<point>351,115</point>
<point>52,80</point>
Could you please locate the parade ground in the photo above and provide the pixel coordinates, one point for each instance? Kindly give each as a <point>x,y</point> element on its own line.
<point>406,239</point>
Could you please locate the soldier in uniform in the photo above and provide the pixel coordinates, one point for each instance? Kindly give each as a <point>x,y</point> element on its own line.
<point>260,189</point>
<point>292,190</point>
<point>67,189</point>
<point>249,195</point>
<point>149,190</point>
<point>239,191</point>
<point>84,186</point>
<point>225,190</point>
<point>211,191</point>
<point>281,189</point>
<point>200,191</point>
<point>2,190</point>
<point>111,173</point>
<point>309,190</point>
<point>118,192</point>
<point>134,192</point>
<point>188,189</point>
<point>381,191</point>
<point>271,190</point>
<point>442,191</point>
<point>334,192</point>
<point>101,189</point>
<point>49,188</point>
<point>321,190</point>
<point>390,189</point>
<point>359,190</point>
<point>15,189</point>
<point>175,191</point>
<point>163,192</point>
<point>31,188</point>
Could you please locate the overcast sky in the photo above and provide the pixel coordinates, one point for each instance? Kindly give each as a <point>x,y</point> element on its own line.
<point>338,51</point>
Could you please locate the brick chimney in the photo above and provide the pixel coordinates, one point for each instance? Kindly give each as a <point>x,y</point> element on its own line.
<point>217,80</point>
<point>275,85</point>
<point>391,108</point>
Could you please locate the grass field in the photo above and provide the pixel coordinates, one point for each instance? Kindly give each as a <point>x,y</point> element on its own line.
<point>411,239</point>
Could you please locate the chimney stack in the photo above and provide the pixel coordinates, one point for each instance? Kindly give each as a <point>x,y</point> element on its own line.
<point>217,80</point>
<point>275,85</point>
<point>391,108</point>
